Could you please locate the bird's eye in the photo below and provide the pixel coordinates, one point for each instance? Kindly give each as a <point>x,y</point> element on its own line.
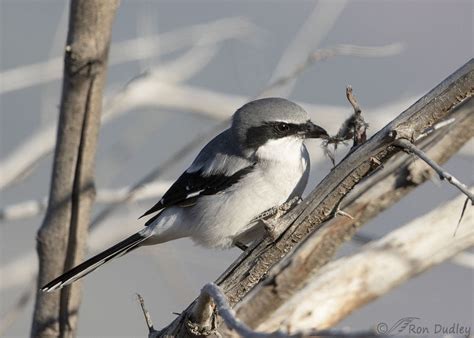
<point>282,127</point>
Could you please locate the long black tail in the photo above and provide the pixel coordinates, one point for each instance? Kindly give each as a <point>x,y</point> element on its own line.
<point>93,263</point>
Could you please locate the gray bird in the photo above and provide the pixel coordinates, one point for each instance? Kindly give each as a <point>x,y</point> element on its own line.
<point>259,163</point>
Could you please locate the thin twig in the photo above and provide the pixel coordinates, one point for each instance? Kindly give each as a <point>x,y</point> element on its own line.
<point>464,207</point>
<point>327,53</point>
<point>358,127</point>
<point>146,314</point>
<point>354,128</point>
<point>443,174</point>
<point>352,100</point>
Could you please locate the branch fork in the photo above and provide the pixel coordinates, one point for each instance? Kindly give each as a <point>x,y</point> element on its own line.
<point>409,147</point>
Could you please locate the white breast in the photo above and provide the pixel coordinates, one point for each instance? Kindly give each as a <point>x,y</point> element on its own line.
<point>281,167</point>
<point>284,161</point>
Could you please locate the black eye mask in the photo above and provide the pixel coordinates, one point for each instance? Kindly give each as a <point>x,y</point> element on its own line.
<point>258,136</point>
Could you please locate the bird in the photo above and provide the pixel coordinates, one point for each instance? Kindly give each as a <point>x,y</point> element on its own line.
<point>260,162</point>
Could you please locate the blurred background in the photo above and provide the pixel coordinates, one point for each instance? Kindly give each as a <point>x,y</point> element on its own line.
<point>177,70</point>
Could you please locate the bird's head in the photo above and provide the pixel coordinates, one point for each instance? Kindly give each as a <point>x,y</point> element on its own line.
<point>273,121</point>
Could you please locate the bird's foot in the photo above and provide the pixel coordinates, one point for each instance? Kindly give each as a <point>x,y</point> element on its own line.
<point>270,225</point>
<point>287,206</point>
<point>270,217</point>
<point>277,212</point>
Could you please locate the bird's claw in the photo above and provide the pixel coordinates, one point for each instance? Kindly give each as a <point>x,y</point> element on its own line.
<point>277,212</point>
<point>269,225</point>
<point>269,218</point>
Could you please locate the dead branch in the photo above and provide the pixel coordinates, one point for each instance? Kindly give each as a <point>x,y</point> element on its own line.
<point>254,264</point>
<point>375,194</point>
<point>443,174</point>
<point>146,314</point>
<point>350,282</point>
<point>62,236</point>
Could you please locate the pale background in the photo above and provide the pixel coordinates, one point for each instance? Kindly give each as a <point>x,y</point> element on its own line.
<point>437,37</point>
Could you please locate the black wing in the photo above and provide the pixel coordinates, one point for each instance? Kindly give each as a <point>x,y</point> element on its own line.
<point>189,186</point>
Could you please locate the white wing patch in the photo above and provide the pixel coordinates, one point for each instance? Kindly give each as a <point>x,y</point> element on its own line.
<point>194,194</point>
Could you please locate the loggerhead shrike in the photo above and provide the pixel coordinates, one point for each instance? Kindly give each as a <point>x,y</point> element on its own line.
<point>259,163</point>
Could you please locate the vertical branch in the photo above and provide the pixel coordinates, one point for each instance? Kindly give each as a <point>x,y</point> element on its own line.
<point>359,126</point>
<point>61,238</point>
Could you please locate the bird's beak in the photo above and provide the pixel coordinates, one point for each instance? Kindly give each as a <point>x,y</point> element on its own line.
<point>314,131</point>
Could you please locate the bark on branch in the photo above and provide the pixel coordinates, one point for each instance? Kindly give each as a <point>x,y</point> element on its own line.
<point>383,189</point>
<point>321,204</point>
<point>213,298</point>
<point>61,238</point>
<point>350,282</point>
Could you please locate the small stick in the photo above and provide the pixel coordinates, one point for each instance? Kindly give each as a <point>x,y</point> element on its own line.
<point>354,127</point>
<point>146,314</point>
<point>353,101</point>
<point>359,126</point>
<point>443,174</point>
<point>462,215</point>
